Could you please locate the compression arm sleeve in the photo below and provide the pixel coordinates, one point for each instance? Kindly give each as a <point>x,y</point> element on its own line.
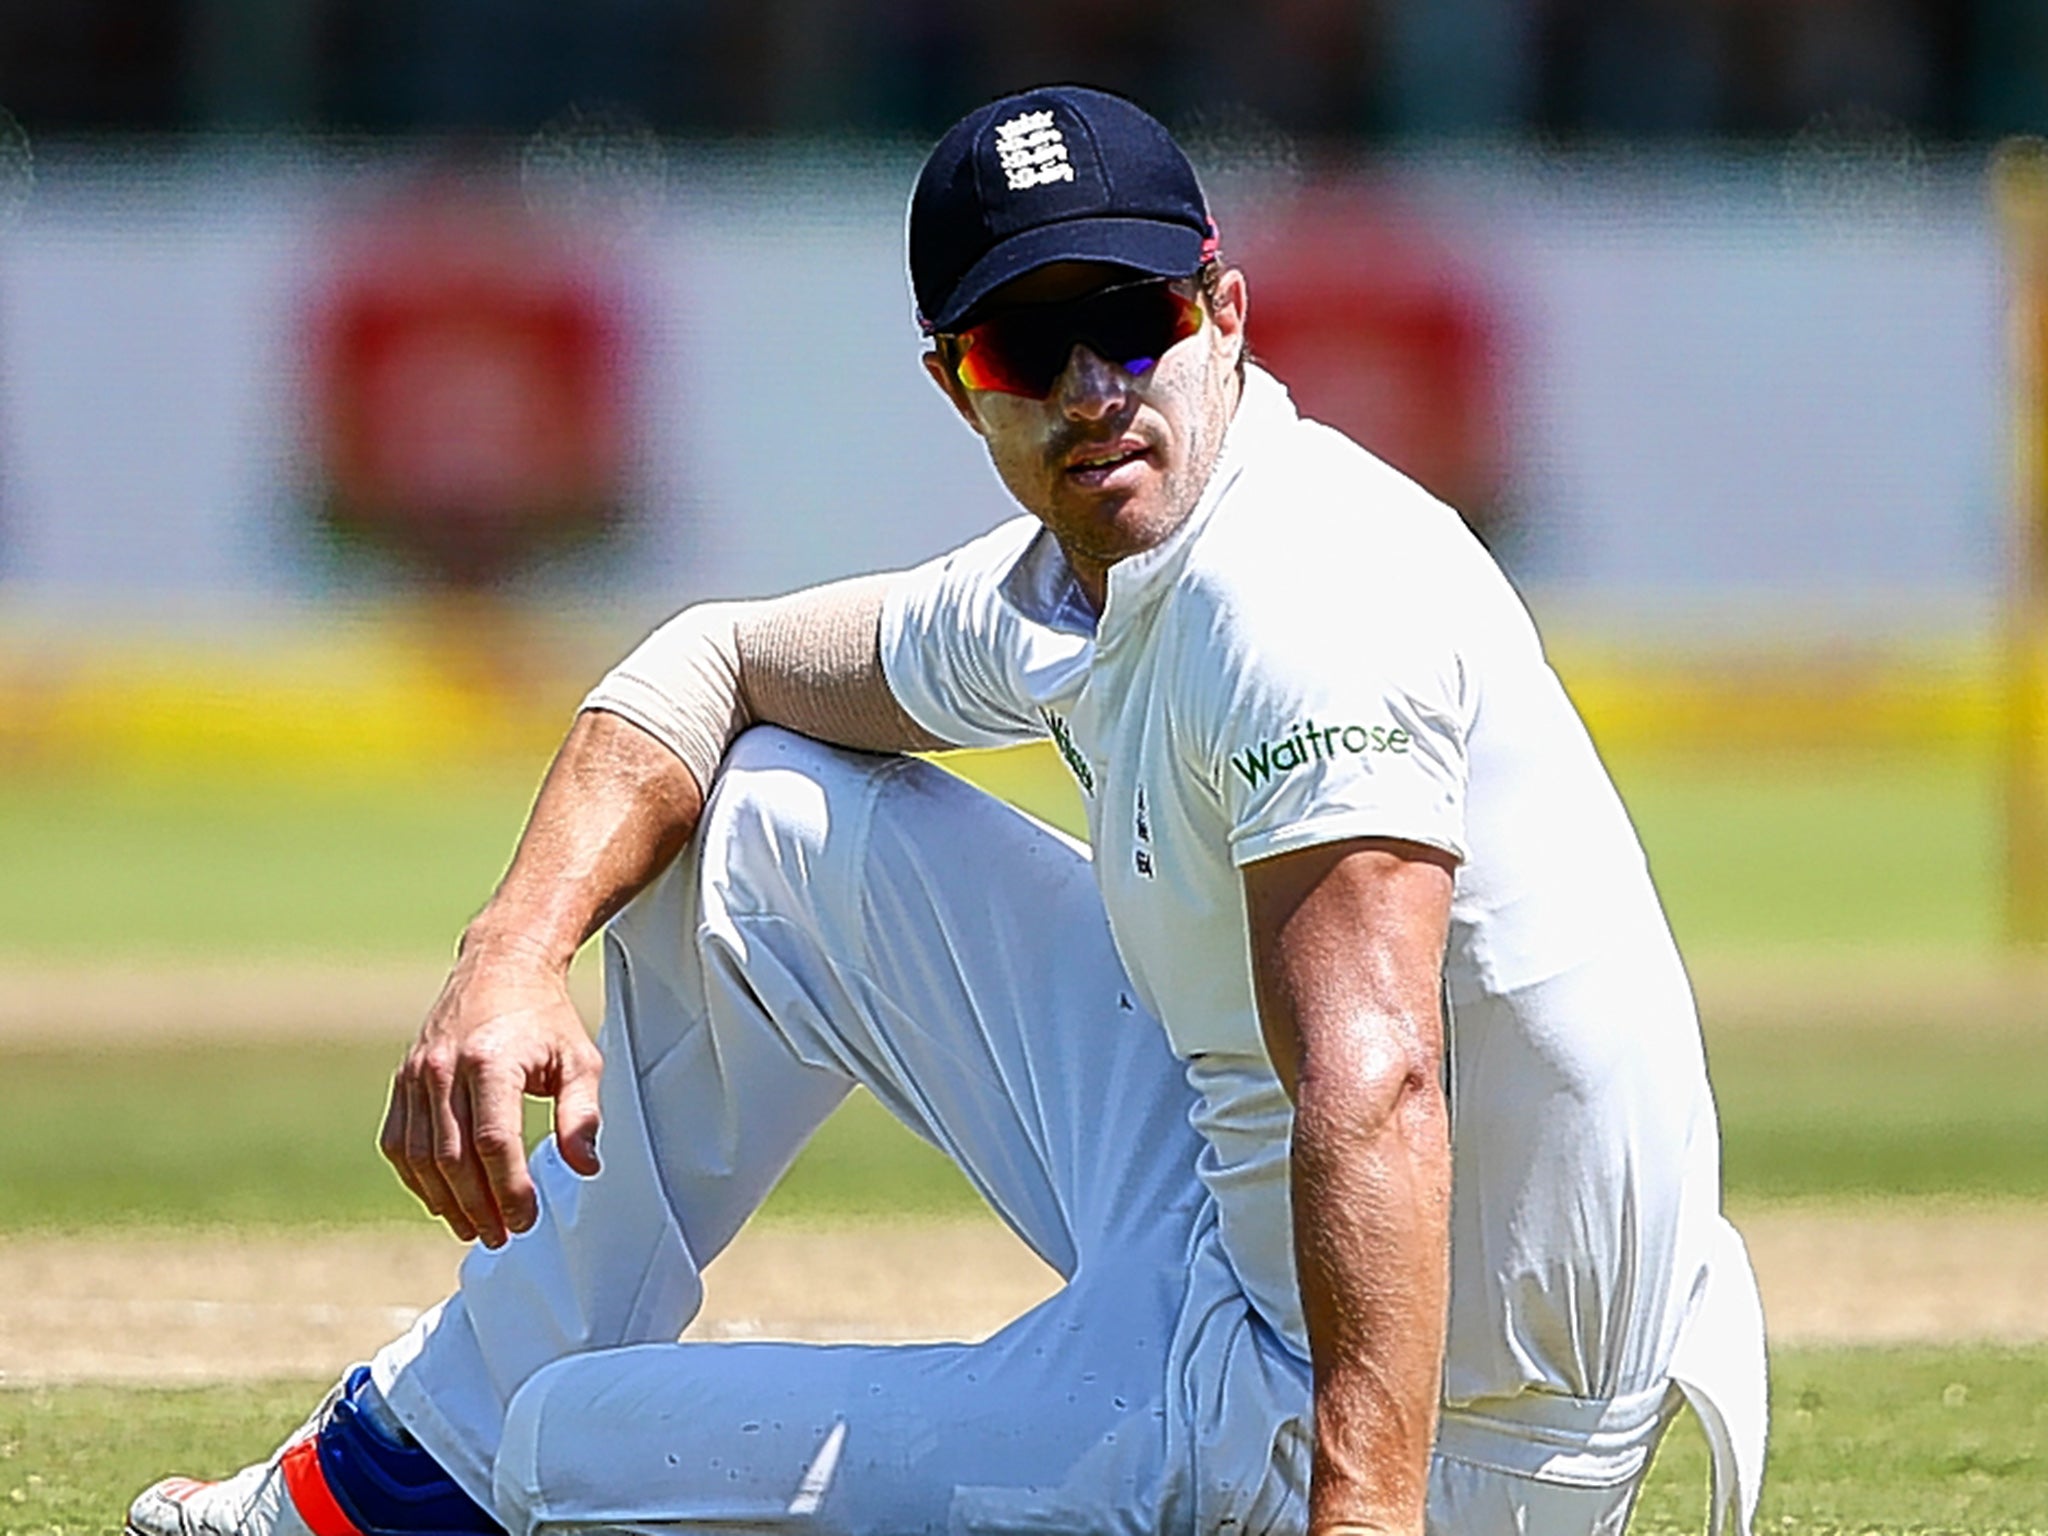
<point>810,662</point>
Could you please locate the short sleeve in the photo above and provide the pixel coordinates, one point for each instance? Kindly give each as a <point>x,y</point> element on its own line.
<point>950,644</point>
<point>1329,721</point>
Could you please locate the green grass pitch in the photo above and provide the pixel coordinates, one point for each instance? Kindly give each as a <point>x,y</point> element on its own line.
<point>282,1133</point>
<point>1779,853</point>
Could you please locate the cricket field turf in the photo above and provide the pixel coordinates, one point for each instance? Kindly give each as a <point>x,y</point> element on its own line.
<point>1779,853</point>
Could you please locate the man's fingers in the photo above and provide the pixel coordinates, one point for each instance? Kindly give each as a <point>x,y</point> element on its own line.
<point>399,1145</point>
<point>496,1125</point>
<point>576,1109</point>
<point>417,1157</point>
<point>391,1139</point>
<point>455,1156</point>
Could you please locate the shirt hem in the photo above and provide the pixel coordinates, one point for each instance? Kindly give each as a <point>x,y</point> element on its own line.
<point>1336,829</point>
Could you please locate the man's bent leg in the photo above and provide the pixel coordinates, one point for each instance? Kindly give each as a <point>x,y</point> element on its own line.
<point>1058,1423</point>
<point>839,920</point>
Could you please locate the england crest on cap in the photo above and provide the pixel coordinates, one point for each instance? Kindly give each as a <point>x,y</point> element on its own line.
<point>1061,173</point>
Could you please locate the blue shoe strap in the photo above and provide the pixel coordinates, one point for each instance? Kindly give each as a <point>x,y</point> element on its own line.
<point>389,1489</point>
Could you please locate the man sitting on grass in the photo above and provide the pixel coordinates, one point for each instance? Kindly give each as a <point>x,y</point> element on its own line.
<point>1353,1084</point>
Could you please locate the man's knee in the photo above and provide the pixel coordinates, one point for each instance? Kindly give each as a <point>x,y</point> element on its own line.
<point>559,1461</point>
<point>770,748</point>
<point>778,818</point>
<point>786,822</point>
<point>518,1479</point>
<point>779,796</point>
<point>687,1436</point>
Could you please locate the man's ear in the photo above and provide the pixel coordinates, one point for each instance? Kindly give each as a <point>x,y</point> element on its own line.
<point>951,387</point>
<point>1228,307</point>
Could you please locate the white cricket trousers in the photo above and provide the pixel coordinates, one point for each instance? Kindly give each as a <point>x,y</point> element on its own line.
<point>844,920</point>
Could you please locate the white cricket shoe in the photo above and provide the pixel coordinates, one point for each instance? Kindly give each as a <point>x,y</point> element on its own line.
<point>256,1501</point>
<point>349,1470</point>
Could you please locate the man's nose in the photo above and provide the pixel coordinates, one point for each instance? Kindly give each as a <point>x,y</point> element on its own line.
<point>1092,388</point>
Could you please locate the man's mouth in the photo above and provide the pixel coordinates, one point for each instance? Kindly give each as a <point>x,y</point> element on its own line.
<point>1095,464</point>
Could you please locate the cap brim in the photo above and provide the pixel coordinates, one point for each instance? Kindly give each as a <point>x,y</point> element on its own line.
<point>1144,245</point>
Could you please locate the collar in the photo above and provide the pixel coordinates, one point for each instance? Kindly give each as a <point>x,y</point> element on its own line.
<point>1135,582</point>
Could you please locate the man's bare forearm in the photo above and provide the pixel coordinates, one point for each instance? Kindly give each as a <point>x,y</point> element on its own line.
<point>1371,1182</point>
<point>1347,947</point>
<point>616,808</point>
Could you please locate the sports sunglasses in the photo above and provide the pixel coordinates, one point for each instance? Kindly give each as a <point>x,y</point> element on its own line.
<point>1024,351</point>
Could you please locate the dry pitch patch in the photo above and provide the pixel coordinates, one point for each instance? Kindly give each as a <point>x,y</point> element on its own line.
<point>189,1308</point>
<point>193,1308</point>
<point>60,1002</point>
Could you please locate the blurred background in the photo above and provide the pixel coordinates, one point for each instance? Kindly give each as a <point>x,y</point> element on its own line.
<point>372,375</point>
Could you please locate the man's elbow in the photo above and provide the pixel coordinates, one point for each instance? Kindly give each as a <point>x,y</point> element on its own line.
<point>1359,1086</point>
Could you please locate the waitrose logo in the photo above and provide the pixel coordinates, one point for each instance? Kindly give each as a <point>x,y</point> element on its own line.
<point>1311,743</point>
<point>1069,753</point>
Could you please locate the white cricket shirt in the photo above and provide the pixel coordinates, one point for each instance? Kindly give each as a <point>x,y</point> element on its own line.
<point>1323,651</point>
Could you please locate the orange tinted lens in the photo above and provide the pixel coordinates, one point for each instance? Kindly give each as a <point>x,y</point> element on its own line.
<point>984,366</point>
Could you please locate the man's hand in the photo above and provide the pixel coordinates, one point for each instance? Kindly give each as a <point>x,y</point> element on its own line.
<point>615,810</point>
<point>503,1027</point>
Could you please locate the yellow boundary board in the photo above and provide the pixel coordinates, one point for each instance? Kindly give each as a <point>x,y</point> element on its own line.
<point>364,708</point>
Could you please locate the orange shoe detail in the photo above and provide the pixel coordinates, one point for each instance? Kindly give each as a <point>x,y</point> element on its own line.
<point>307,1487</point>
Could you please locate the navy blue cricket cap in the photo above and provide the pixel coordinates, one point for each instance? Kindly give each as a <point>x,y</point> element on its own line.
<point>1061,173</point>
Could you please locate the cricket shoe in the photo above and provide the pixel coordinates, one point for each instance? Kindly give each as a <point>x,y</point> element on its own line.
<point>341,1473</point>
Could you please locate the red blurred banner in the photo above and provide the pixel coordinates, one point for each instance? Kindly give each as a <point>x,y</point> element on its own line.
<point>469,385</point>
<point>1377,330</point>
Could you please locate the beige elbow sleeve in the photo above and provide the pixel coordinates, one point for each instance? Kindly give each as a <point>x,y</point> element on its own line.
<point>810,661</point>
